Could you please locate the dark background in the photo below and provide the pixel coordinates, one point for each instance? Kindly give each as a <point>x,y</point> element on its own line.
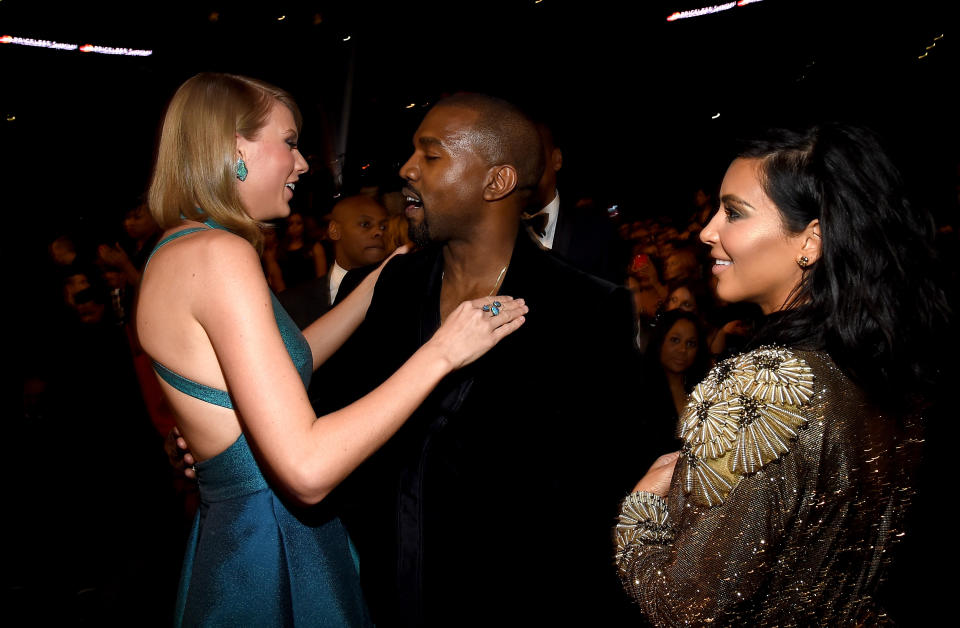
<point>631,96</point>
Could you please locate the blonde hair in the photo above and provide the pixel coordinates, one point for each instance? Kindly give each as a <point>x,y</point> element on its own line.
<point>195,172</point>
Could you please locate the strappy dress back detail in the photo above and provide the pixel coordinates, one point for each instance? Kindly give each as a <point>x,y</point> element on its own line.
<point>293,340</point>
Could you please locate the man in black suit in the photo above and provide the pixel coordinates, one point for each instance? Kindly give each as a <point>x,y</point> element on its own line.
<point>356,229</point>
<point>493,505</point>
<point>580,235</point>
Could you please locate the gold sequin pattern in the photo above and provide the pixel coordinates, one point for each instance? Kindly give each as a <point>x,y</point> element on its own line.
<point>741,417</point>
<point>643,519</point>
<point>804,532</point>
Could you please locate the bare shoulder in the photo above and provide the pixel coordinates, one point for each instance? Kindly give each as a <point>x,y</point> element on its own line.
<point>196,274</point>
<point>210,248</point>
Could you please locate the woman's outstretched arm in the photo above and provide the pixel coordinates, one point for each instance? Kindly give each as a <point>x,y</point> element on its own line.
<point>330,331</point>
<point>309,456</point>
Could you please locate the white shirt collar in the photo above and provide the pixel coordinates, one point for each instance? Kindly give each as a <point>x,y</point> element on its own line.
<point>337,274</point>
<point>553,211</point>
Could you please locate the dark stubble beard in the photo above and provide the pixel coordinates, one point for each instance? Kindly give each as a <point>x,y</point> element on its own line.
<point>419,233</point>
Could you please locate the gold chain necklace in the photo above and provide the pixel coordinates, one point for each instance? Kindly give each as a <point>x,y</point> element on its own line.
<point>496,286</point>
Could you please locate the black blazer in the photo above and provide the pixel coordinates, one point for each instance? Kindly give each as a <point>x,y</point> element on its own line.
<point>500,491</point>
<point>590,242</point>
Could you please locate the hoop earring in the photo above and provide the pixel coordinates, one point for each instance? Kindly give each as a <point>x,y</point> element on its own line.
<point>803,262</point>
<point>241,169</point>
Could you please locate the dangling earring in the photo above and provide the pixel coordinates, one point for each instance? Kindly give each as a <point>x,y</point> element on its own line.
<point>241,169</point>
<point>803,262</point>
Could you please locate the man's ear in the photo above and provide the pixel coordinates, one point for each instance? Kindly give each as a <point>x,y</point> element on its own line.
<point>556,160</point>
<point>333,230</point>
<point>500,182</point>
<point>811,241</point>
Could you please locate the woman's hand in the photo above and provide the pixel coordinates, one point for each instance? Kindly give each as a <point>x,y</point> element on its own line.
<point>657,479</point>
<point>400,250</point>
<point>471,330</point>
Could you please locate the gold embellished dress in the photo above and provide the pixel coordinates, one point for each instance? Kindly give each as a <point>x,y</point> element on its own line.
<point>789,491</point>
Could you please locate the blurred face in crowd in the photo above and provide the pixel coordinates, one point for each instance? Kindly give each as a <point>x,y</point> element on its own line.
<point>356,228</point>
<point>646,300</point>
<point>274,164</point>
<point>62,251</point>
<point>682,263</point>
<point>295,226</point>
<point>681,299</point>
<point>755,257</point>
<point>139,224</point>
<point>444,175</point>
<point>679,348</point>
<point>72,285</point>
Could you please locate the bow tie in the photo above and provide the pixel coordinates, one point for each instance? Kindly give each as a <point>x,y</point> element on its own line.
<point>537,222</point>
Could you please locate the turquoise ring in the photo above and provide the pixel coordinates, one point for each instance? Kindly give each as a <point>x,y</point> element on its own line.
<point>493,309</point>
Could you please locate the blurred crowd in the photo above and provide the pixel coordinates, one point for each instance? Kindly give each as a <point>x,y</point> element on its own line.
<point>101,388</point>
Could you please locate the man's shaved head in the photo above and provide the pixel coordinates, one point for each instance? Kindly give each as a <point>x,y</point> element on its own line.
<point>351,206</point>
<point>356,229</point>
<point>502,135</point>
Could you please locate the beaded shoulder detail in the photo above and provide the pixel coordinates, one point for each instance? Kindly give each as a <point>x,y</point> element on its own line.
<point>744,415</point>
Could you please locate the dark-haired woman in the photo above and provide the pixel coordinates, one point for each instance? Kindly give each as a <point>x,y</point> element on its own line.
<point>676,360</point>
<point>680,352</point>
<point>791,485</point>
<point>299,257</point>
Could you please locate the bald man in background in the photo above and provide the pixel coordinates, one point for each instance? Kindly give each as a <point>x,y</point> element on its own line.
<point>356,228</point>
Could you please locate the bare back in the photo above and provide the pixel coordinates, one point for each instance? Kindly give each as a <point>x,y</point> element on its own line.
<point>178,280</point>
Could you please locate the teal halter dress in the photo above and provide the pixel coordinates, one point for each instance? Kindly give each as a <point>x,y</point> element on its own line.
<point>251,559</point>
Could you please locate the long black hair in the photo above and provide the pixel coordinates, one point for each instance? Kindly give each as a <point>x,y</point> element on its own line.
<point>872,299</point>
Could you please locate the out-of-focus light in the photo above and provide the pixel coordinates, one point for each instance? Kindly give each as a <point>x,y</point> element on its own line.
<point>680,15</point>
<point>317,19</point>
<point>347,38</point>
<point>281,18</point>
<point>56,45</point>
<point>36,43</point>
<point>717,8</point>
<point>411,105</point>
<point>715,116</point>
<point>214,16</point>
<point>108,50</point>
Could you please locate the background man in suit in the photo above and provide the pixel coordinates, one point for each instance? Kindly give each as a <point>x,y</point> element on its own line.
<point>356,229</point>
<point>493,504</point>
<point>582,236</point>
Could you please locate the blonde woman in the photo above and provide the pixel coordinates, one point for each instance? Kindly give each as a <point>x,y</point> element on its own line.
<point>234,367</point>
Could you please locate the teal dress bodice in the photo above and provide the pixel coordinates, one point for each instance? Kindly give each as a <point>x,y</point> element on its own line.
<point>252,559</point>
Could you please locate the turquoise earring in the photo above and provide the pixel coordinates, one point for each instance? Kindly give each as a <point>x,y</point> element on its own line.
<point>241,169</point>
